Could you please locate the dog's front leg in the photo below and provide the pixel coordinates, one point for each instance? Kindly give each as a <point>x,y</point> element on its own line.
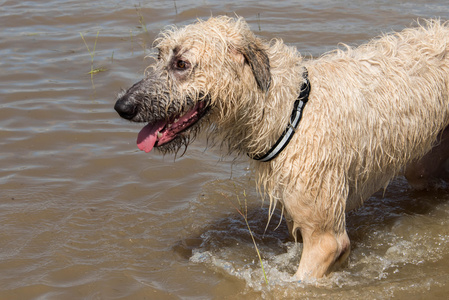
<point>322,252</point>
<point>318,210</point>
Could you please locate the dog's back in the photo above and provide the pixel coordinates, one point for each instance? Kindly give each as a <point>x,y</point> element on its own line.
<point>383,104</point>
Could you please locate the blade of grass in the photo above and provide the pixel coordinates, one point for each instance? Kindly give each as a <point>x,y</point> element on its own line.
<point>245,217</point>
<point>97,70</point>
<point>92,55</point>
<point>141,20</point>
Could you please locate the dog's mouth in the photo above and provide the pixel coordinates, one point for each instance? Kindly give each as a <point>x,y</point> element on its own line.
<point>162,132</point>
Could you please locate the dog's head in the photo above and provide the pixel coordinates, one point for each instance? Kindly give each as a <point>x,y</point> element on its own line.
<point>201,72</point>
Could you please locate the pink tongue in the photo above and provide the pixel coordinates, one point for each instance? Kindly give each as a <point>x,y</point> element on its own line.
<point>148,135</point>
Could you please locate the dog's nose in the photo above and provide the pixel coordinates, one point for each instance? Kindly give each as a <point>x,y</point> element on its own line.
<point>125,109</point>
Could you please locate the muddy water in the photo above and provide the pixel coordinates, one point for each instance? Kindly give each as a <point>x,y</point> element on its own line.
<point>85,215</point>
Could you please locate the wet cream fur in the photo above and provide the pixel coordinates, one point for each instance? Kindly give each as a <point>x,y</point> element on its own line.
<point>372,111</point>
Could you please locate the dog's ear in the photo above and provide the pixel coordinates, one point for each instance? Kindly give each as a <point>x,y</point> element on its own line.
<point>256,57</point>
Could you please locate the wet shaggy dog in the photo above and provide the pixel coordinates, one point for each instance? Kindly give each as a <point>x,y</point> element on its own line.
<point>372,112</point>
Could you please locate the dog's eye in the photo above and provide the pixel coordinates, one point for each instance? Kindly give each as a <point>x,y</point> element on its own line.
<point>181,65</point>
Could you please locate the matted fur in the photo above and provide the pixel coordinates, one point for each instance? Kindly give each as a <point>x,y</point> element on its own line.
<point>372,110</point>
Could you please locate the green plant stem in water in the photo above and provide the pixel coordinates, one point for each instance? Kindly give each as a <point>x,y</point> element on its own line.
<point>245,217</point>
<point>141,19</point>
<point>92,55</point>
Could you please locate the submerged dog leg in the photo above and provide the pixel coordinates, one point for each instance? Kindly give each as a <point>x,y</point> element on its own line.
<point>322,252</point>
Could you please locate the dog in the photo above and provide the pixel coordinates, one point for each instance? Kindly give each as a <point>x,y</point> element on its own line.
<point>322,134</point>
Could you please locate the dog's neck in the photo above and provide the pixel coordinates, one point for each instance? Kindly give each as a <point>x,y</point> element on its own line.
<point>250,120</point>
<point>290,129</point>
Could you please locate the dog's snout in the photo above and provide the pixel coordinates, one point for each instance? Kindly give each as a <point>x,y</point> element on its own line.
<point>125,108</point>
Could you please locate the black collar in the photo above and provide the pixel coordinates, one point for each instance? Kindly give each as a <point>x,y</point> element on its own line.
<point>287,135</point>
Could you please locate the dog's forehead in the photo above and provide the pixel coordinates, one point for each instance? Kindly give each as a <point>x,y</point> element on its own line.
<point>190,44</point>
<point>197,42</point>
<point>184,49</point>
<point>213,31</point>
